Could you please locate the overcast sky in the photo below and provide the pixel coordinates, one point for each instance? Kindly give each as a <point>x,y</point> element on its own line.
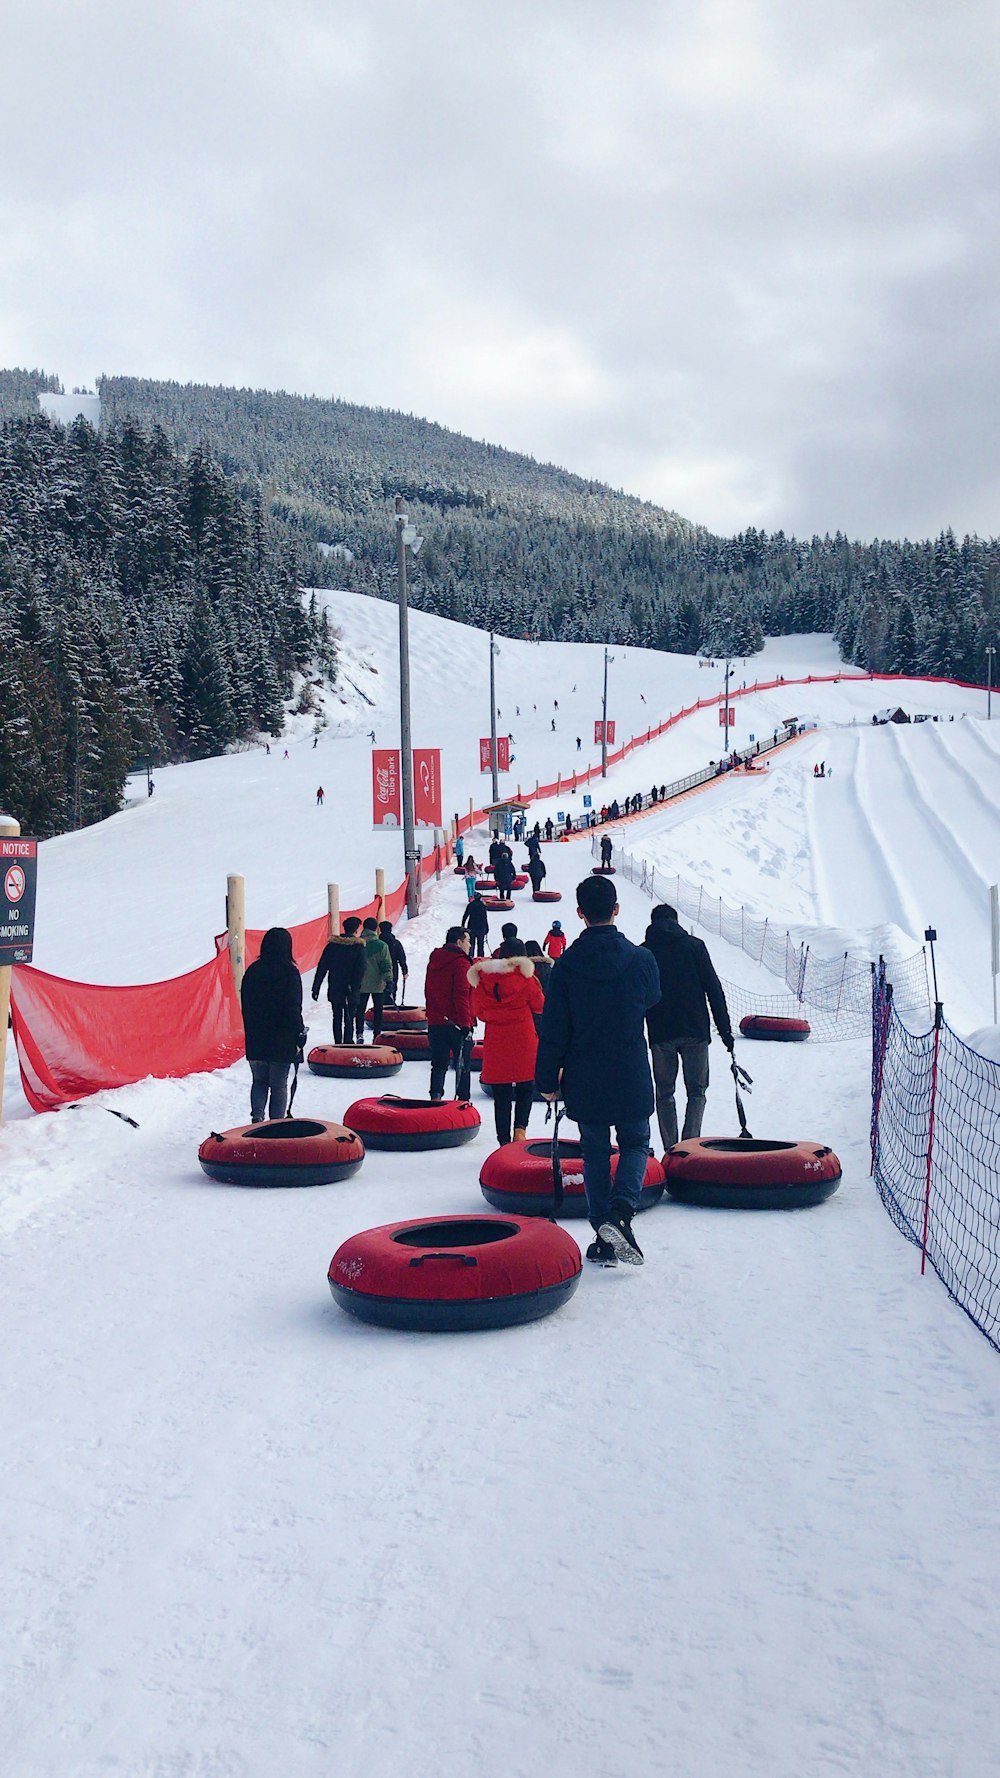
<point>740,257</point>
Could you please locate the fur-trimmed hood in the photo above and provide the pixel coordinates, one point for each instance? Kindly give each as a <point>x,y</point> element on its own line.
<point>500,966</point>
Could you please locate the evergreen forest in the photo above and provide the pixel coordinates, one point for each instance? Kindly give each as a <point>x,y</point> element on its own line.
<point>148,611</point>
<point>163,557</point>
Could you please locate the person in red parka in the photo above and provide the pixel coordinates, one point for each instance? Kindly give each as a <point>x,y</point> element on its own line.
<point>448,1000</point>
<point>555,941</point>
<point>506,996</point>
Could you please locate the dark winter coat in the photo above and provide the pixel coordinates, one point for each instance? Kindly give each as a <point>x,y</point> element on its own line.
<point>536,871</point>
<point>447,995</point>
<point>592,1028</point>
<point>397,955</point>
<point>342,965</point>
<point>271,999</point>
<point>505,995</point>
<point>476,918</point>
<point>687,981</point>
<point>503,876</point>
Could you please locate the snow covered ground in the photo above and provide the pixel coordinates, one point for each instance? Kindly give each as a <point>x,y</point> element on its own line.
<point>734,1513</point>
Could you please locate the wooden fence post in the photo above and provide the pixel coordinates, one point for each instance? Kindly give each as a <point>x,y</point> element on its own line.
<point>236,928</point>
<point>333,905</point>
<point>380,894</point>
<point>10,829</point>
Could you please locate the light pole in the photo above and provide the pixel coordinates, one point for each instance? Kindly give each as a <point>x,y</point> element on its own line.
<point>990,652</point>
<point>725,712</point>
<point>604,715</point>
<point>405,536</point>
<point>493,720</point>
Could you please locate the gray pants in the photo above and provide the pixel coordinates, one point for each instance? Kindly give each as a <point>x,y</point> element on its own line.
<point>693,1058</point>
<point>268,1077</point>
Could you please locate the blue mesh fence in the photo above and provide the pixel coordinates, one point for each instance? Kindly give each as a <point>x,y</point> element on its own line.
<point>935,1137</point>
<point>834,993</point>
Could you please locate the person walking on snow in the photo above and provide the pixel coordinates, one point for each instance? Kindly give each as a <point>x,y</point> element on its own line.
<point>607,852</point>
<point>459,848</point>
<point>341,966</point>
<point>579,743</point>
<point>470,873</point>
<point>503,874</point>
<point>536,872</point>
<point>398,956</point>
<point>678,1024</point>
<point>592,1052</point>
<point>448,1000</point>
<point>555,941</point>
<point>271,1004</point>
<point>476,921</point>
<point>376,981</point>
<point>506,996</point>
<point>319,797</point>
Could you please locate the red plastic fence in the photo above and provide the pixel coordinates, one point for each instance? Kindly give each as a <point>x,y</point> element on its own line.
<point>74,1038</point>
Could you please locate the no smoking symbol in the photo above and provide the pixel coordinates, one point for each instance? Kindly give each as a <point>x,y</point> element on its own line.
<point>13,884</point>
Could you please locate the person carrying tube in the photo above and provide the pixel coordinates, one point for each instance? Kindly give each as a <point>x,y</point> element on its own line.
<point>376,981</point>
<point>506,997</point>
<point>607,852</point>
<point>271,1004</point>
<point>342,966</point>
<point>448,1000</point>
<point>536,871</point>
<point>677,1025</point>
<point>476,921</point>
<point>592,1053</point>
<point>397,956</point>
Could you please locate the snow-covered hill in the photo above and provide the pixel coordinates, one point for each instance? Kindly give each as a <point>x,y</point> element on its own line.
<point>729,1514</point>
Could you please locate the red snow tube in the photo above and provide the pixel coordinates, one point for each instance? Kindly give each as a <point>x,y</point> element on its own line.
<point>546,895</point>
<point>400,1018</point>
<point>283,1151</point>
<point>485,885</point>
<point>345,1061</point>
<point>518,1178</point>
<point>413,1046</point>
<point>454,1274</point>
<point>520,881</point>
<point>774,1030</point>
<point>496,904</point>
<point>603,870</point>
<point>740,1173</point>
<point>476,1060</point>
<point>408,1124</point>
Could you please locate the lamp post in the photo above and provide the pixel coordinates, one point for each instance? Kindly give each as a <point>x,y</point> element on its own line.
<point>493,721</point>
<point>990,652</point>
<point>725,712</point>
<point>604,716</point>
<point>405,537</point>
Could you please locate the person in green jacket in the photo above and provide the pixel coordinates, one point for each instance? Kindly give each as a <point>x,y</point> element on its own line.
<point>376,981</point>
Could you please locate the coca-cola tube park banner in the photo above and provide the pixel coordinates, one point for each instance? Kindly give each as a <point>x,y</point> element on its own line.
<point>386,790</point>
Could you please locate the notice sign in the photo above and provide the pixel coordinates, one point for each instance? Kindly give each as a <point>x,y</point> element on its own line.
<point>386,792</point>
<point>427,786</point>
<point>18,877</point>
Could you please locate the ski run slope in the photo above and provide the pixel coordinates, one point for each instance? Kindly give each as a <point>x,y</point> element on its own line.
<point>733,1514</point>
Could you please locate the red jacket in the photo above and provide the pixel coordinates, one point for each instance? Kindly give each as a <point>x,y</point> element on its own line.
<point>555,944</point>
<point>447,995</point>
<point>505,996</point>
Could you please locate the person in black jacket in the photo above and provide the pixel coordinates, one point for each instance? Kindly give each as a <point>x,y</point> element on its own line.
<point>476,921</point>
<point>592,1051</point>
<point>536,871</point>
<point>503,873</point>
<point>398,955</point>
<point>271,999</point>
<point>342,965</point>
<point>678,1023</point>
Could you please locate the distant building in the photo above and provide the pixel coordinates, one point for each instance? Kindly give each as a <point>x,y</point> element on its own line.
<point>66,408</point>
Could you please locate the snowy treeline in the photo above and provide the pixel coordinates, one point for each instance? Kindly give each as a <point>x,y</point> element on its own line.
<point>146,610</point>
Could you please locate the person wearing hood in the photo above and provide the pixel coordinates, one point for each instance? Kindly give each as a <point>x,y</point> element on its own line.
<point>607,852</point>
<point>271,1003</point>
<point>342,966</point>
<point>503,873</point>
<point>506,996</point>
<point>376,980</point>
<point>678,1025</point>
<point>397,955</point>
<point>555,941</point>
<point>476,921</point>
<point>592,1053</point>
<point>448,1001</point>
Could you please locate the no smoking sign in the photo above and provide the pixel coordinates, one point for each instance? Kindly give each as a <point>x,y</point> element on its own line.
<point>13,885</point>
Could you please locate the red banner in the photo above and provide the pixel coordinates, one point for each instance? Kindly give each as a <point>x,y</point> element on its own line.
<point>387,808</point>
<point>727,718</point>
<point>503,753</point>
<point>485,755</point>
<point>427,786</point>
<point>599,733</point>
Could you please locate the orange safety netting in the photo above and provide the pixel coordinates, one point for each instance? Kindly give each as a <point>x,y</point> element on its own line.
<point>74,1038</point>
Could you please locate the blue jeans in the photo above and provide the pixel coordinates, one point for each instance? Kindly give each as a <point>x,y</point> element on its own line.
<point>269,1079</point>
<point>633,1145</point>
